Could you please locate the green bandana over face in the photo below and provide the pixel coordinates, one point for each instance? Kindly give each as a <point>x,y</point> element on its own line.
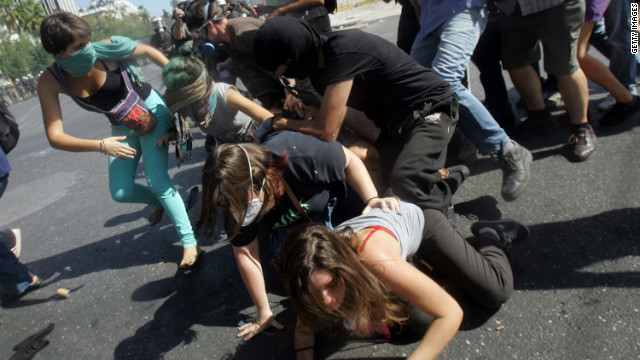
<point>79,64</point>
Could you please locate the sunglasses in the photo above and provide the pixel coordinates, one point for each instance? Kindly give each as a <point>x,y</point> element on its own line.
<point>216,19</point>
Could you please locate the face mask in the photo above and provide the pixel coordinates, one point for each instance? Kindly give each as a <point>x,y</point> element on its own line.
<point>80,63</point>
<point>253,210</point>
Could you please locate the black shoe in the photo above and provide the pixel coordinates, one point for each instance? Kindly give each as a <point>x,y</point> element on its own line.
<point>531,127</point>
<point>584,142</point>
<point>621,112</point>
<point>516,171</point>
<point>457,175</point>
<point>510,232</point>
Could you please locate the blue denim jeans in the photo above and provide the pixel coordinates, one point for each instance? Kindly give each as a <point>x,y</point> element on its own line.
<point>611,37</point>
<point>447,51</point>
<point>3,183</point>
<point>14,276</point>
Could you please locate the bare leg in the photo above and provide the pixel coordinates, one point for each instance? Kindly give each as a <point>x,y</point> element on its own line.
<point>597,71</point>
<point>575,92</point>
<point>527,82</point>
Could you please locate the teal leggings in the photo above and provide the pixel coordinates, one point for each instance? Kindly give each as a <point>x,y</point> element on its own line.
<point>160,192</point>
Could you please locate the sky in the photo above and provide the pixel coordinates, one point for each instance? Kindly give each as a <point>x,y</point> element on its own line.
<point>154,7</point>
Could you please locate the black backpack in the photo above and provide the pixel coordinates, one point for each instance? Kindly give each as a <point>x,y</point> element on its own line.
<point>331,5</point>
<point>9,132</point>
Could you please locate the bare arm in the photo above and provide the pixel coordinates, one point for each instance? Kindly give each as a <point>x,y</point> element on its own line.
<point>358,176</point>
<point>48,91</point>
<point>248,259</point>
<point>176,29</point>
<point>359,179</point>
<point>382,257</point>
<point>332,111</point>
<point>237,101</point>
<point>152,53</point>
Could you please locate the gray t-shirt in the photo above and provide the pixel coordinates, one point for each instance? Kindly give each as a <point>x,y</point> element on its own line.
<point>407,225</point>
<point>227,125</point>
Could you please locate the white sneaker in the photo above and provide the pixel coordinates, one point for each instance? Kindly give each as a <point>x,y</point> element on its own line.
<point>607,103</point>
<point>13,241</point>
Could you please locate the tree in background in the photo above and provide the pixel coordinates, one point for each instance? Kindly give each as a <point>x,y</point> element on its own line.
<point>23,54</point>
<point>144,15</point>
<point>130,26</point>
<point>21,16</point>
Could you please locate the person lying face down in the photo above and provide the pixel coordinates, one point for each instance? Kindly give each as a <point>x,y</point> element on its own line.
<point>218,109</point>
<point>356,274</point>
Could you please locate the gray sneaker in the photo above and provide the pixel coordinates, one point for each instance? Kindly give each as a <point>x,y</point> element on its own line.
<point>516,171</point>
<point>583,142</point>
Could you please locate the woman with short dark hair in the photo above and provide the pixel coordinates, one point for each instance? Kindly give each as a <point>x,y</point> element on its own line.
<point>99,78</point>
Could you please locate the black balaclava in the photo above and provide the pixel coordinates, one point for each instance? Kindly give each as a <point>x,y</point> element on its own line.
<point>285,38</point>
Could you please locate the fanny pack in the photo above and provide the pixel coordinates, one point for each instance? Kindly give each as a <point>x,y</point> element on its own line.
<point>131,111</point>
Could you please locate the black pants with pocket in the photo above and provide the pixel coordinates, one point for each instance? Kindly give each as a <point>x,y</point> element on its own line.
<point>481,270</point>
<point>414,149</point>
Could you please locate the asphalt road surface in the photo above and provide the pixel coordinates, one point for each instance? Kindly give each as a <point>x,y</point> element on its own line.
<point>577,278</point>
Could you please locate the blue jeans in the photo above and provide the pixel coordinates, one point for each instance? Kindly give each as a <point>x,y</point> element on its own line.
<point>159,191</point>
<point>14,276</point>
<point>611,37</point>
<point>3,183</point>
<point>447,51</point>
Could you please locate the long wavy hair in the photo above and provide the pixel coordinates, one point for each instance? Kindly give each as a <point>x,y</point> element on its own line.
<point>225,181</point>
<point>367,300</point>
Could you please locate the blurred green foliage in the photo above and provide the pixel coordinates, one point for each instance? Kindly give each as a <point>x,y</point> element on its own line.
<point>24,54</point>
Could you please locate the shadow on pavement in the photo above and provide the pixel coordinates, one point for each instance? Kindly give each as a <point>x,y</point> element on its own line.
<point>215,297</point>
<point>212,296</point>
<point>563,250</point>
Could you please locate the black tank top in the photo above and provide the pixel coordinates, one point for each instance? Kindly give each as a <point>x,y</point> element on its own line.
<point>113,90</point>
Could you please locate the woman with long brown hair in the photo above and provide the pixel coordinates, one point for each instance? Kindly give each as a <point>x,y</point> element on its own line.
<point>357,274</point>
<point>264,190</point>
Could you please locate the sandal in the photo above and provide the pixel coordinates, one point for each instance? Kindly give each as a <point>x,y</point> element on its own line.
<point>155,216</point>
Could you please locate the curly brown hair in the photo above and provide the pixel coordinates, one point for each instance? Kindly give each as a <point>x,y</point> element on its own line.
<point>367,300</point>
<point>225,182</point>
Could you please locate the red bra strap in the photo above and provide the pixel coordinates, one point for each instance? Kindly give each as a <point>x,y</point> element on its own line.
<point>375,228</point>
